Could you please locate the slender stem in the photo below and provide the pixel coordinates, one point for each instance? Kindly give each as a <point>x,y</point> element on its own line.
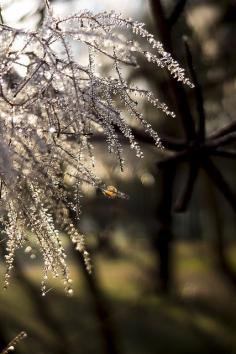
<point>1,18</point>
<point>47,4</point>
<point>21,86</point>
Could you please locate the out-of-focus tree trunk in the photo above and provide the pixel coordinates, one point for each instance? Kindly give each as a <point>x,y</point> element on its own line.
<point>101,309</point>
<point>219,242</point>
<point>3,339</point>
<point>42,309</point>
<point>162,240</point>
<point>3,342</point>
<point>176,90</point>
<point>100,305</point>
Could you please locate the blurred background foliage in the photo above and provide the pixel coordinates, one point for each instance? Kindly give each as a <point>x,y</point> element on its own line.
<point>163,281</point>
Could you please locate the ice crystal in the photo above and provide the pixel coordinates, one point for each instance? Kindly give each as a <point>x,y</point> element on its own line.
<point>51,107</point>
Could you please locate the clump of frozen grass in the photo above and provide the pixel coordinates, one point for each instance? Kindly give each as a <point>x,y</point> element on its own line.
<point>51,106</point>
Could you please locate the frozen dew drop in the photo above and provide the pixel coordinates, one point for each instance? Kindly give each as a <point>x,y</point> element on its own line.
<point>28,249</point>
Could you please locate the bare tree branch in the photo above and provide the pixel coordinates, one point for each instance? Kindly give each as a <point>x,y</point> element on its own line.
<point>220,182</point>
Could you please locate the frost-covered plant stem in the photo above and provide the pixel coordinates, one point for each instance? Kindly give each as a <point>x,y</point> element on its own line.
<point>47,95</point>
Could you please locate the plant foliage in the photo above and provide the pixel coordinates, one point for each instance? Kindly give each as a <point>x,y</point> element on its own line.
<point>51,106</point>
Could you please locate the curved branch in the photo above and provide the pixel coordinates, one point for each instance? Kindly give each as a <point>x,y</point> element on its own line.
<point>230,128</point>
<point>222,140</point>
<point>219,181</point>
<point>231,154</point>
